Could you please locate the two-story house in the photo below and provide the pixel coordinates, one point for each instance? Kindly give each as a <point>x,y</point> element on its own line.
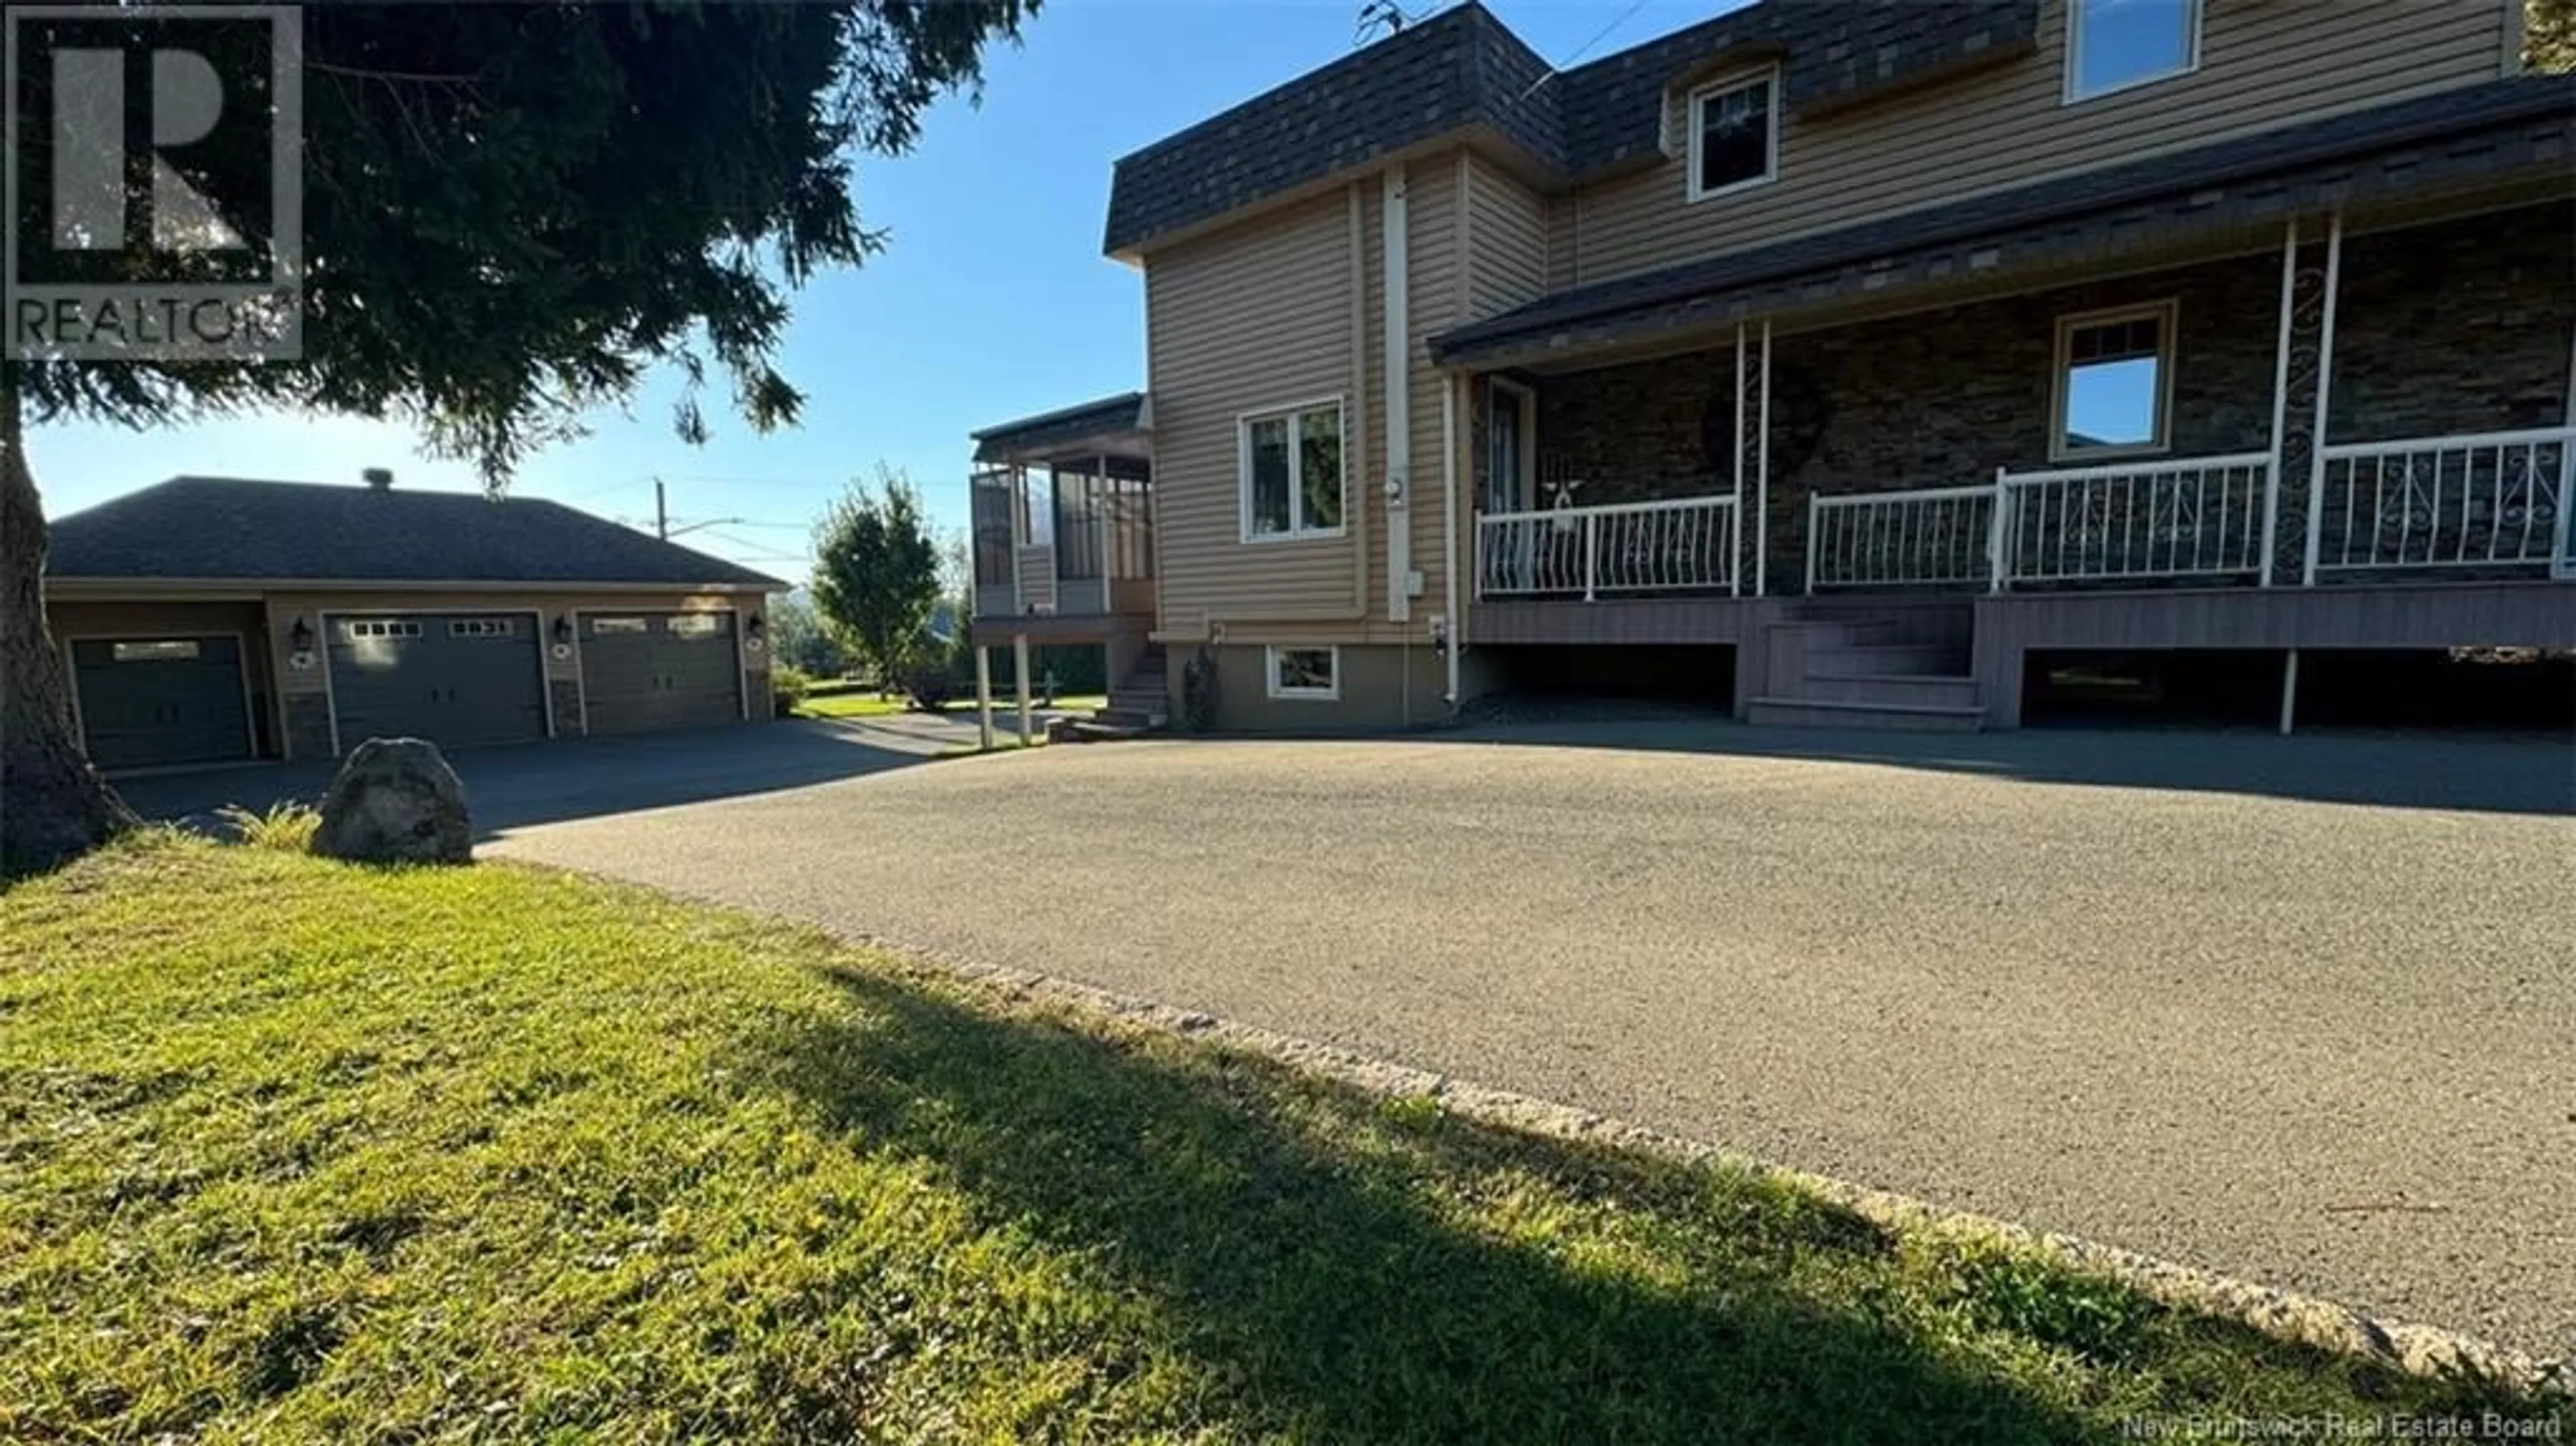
<point>1870,348</point>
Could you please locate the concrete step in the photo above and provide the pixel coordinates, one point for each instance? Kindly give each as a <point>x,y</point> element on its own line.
<point>1822,633</point>
<point>1138,719</point>
<point>1093,730</point>
<point>1897,717</point>
<point>1149,700</point>
<point>1875,660</point>
<point>1938,690</point>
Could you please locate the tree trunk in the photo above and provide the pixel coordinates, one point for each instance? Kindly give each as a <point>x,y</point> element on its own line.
<point>53,805</point>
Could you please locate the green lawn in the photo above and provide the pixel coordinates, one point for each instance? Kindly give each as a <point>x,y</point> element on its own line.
<point>851,705</point>
<point>297,1151</point>
<point>869,705</point>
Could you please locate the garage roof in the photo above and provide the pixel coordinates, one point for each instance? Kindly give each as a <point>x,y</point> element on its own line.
<point>225,527</point>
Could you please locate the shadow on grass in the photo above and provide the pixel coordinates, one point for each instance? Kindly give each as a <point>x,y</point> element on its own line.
<point>1321,1251</point>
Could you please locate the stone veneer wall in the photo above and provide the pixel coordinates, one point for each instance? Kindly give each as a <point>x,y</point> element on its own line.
<point>563,696</point>
<point>2464,327</point>
<point>308,726</point>
<point>2460,328</point>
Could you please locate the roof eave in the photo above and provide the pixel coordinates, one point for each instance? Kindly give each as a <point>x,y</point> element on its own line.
<point>95,585</point>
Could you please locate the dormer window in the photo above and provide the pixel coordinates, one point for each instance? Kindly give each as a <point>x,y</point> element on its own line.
<point>2112,45</point>
<point>1734,133</point>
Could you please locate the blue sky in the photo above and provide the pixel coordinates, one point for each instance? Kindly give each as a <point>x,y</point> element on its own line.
<point>992,302</point>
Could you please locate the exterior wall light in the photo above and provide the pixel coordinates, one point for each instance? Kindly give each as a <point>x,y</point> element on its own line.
<point>300,637</point>
<point>563,630</point>
<point>754,630</point>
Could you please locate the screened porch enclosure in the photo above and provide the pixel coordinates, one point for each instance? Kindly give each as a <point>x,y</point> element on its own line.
<point>1072,537</point>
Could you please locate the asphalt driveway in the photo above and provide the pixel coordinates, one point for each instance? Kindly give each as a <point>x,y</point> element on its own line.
<point>2300,1011</point>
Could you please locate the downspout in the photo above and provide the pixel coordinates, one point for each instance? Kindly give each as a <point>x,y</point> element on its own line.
<point>1396,256</point>
<point>1454,622</point>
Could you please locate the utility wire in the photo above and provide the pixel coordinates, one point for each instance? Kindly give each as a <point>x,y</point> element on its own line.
<point>1585,48</point>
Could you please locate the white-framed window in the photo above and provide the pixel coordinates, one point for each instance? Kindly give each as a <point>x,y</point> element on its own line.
<point>2114,384</point>
<point>384,628</point>
<point>1309,673</point>
<point>2112,45</point>
<point>158,650</point>
<point>616,625</point>
<point>482,627</point>
<point>1734,133</point>
<point>1295,480</point>
<point>695,625</point>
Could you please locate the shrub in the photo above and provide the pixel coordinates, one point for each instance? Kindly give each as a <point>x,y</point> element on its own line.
<point>930,686</point>
<point>286,826</point>
<point>788,685</point>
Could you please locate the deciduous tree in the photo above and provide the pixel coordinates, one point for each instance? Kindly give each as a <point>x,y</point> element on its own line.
<point>876,570</point>
<point>2549,35</point>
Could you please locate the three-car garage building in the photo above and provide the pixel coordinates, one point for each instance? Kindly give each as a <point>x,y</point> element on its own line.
<point>207,620</point>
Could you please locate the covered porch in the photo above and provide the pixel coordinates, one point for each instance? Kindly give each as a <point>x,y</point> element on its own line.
<point>1061,510</point>
<point>2373,398</point>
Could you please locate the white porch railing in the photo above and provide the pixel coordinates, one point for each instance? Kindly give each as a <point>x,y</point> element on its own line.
<point>1921,538</point>
<point>1686,543</point>
<point>2185,517</point>
<point>2495,498</point>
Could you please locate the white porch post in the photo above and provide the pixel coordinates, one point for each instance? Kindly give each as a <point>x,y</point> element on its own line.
<point>1998,529</point>
<point>1020,683</point>
<point>2560,564</point>
<point>1762,478</point>
<point>1100,510</point>
<point>1813,501</point>
<point>984,694</point>
<point>2280,394</point>
<point>1735,513</point>
<point>2325,394</point>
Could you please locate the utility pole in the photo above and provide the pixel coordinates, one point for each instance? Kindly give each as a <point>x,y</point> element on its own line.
<point>661,513</point>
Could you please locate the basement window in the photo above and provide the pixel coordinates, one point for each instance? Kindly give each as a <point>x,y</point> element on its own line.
<point>1308,673</point>
<point>159,650</point>
<point>2112,45</point>
<point>2114,382</point>
<point>1734,134</point>
<point>1293,476</point>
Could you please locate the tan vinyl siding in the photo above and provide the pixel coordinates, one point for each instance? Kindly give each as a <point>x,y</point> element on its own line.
<point>1252,317</point>
<point>1507,240</point>
<point>1433,299</point>
<point>2263,64</point>
<point>1033,578</point>
<point>1563,236</point>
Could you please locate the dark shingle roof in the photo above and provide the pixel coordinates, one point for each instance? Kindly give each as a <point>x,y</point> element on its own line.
<point>2308,144</point>
<point>1463,68</point>
<point>222,527</point>
<point>1124,412</point>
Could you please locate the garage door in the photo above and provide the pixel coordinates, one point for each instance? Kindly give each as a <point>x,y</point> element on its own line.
<point>457,681</point>
<point>659,670</point>
<point>151,702</point>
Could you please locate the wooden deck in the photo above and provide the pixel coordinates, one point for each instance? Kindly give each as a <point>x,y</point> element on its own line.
<point>2008,626</point>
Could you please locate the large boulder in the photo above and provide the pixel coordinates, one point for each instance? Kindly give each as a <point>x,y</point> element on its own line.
<point>396,802</point>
